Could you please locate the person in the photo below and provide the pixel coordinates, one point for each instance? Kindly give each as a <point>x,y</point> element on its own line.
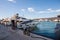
<point>57,31</point>
<point>13,24</point>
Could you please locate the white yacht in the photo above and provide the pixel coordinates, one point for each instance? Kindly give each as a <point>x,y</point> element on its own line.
<point>29,23</point>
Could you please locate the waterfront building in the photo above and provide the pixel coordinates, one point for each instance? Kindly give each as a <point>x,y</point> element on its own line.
<point>55,19</point>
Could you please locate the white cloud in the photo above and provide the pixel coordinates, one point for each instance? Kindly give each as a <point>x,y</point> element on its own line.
<point>49,10</point>
<point>46,11</point>
<point>23,10</point>
<point>58,10</point>
<point>43,12</point>
<point>31,10</point>
<point>14,1</point>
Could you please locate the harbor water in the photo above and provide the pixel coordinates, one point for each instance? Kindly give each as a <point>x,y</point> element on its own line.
<point>46,29</point>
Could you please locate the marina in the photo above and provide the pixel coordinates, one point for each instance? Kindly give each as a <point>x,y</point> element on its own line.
<point>36,30</point>
<point>29,19</point>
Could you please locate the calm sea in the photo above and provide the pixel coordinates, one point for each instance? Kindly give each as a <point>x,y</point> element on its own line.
<point>46,29</point>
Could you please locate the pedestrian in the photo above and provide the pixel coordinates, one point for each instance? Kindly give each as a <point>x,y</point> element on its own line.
<point>13,24</point>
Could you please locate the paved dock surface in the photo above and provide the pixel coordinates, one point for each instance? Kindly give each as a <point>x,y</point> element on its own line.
<point>6,33</point>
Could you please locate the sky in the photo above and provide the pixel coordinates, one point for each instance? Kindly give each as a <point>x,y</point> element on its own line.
<point>30,9</point>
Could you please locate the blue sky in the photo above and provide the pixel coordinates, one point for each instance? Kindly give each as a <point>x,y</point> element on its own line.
<point>29,8</point>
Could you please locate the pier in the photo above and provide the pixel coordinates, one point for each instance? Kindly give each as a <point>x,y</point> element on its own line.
<point>6,33</point>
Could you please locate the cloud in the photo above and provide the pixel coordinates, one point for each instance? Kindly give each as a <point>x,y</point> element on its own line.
<point>58,10</point>
<point>49,10</point>
<point>23,10</point>
<point>43,12</point>
<point>14,1</point>
<point>31,10</point>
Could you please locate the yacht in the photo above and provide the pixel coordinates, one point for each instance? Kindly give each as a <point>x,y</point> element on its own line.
<point>29,23</point>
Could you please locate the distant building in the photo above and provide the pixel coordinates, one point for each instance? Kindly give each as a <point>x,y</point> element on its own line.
<point>49,19</point>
